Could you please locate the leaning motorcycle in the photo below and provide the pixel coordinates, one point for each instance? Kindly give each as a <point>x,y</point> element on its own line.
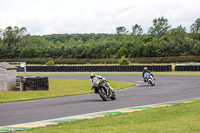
<point>103,90</point>
<point>149,78</point>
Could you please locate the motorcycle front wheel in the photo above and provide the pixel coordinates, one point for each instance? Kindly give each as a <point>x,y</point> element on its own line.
<point>153,82</point>
<point>103,94</point>
<point>113,97</point>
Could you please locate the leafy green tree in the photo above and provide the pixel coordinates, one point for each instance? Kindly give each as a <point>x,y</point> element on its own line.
<point>195,47</point>
<point>137,30</point>
<point>13,35</point>
<point>71,42</point>
<point>10,37</point>
<point>151,50</point>
<point>175,42</point>
<point>160,26</point>
<point>123,51</point>
<point>121,30</point>
<point>195,29</point>
<point>162,41</point>
<point>0,35</point>
<point>29,52</point>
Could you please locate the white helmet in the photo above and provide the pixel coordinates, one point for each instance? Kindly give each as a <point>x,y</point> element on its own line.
<point>145,68</point>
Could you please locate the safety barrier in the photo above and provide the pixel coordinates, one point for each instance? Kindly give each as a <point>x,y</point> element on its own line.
<point>36,83</point>
<point>18,82</point>
<point>187,68</point>
<point>131,68</point>
<point>32,83</point>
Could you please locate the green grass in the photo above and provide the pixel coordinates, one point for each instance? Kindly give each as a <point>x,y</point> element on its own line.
<point>112,73</point>
<point>184,118</point>
<point>58,88</point>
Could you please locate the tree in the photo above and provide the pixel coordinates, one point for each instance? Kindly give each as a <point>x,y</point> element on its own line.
<point>195,28</point>
<point>137,30</point>
<point>159,27</point>
<point>13,35</point>
<point>123,51</point>
<point>174,42</point>
<point>71,42</point>
<point>121,30</point>
<point>0,34</point>
<point>29,52</point>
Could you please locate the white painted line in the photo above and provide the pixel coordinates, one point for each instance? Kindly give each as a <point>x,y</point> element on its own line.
<point>139,81</point>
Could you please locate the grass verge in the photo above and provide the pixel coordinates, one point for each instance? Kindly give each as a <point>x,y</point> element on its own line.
<point>183,118</point>
<point>111,73</point>
<point>58,88</point>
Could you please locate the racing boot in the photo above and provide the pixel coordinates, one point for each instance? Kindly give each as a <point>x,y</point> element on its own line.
<point>95,92</point>
<point>111,89</point>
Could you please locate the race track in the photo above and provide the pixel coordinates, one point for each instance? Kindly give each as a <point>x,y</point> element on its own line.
<point>168,88</point>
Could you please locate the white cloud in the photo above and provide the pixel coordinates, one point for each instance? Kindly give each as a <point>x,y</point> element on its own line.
<point>96,18</point>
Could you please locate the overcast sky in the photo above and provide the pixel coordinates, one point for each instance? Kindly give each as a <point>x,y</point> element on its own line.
<point>94,16</point>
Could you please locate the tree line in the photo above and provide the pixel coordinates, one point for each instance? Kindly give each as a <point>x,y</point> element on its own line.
<point>160,41</point>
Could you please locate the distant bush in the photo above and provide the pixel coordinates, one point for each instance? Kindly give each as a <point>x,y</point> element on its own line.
<point>124,61</point>
<point>50,63</point>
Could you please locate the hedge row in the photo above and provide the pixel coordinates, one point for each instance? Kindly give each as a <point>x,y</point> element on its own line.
<point>179,59</point>
<point>61,61</point>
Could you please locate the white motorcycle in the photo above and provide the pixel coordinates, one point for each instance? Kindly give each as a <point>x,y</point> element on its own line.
<point>149,78</point>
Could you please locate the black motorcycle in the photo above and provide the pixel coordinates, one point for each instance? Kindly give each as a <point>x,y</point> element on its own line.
<point>103,90</point>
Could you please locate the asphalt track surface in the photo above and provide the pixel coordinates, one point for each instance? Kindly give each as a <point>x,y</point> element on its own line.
<point>168,88</point>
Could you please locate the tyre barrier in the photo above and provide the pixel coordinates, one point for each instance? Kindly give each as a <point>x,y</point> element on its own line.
<point>18,82</point>
<point>131,68</point>
<point>33,83</point>
<point>187,68</point>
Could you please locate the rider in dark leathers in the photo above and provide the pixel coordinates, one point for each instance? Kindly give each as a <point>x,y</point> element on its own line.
<point>145,70</point>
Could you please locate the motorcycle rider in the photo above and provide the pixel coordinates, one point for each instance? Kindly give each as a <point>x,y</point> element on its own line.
<point>145,70</point>
<point>93,77</point>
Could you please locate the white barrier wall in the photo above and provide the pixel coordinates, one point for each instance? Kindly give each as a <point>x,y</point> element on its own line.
<point>3,79</point>
<point>11,79</point>
<point>7,79</point>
